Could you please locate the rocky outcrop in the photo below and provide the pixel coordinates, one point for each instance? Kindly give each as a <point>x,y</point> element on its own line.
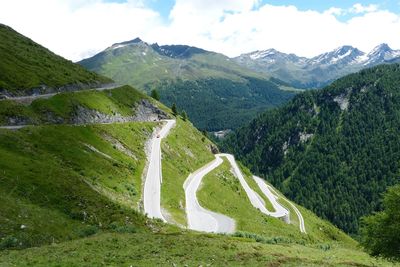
<point>144,111</point>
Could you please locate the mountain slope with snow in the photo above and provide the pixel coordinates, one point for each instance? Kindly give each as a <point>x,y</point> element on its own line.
<point>320,70</point>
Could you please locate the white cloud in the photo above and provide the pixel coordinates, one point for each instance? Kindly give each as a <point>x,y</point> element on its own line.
<point>75,28</point>
<point>78,28</point>
<point>359,8</point>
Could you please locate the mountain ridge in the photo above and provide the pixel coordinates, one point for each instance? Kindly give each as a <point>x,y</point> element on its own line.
<point>319,70</point>
<point>216,92</point>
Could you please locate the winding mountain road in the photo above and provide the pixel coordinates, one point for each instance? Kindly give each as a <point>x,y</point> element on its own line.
<point>280,211</point>
<point>205,220</point>
<point>255,199</point>
<point>152,185</point>
<point>296,210</point>
<point>199,218</point>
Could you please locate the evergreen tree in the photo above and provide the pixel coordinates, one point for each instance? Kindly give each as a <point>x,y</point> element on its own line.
<point>174,109</point>
<point>154,94</point>
<point>381,231</point>
<point>184,115</point>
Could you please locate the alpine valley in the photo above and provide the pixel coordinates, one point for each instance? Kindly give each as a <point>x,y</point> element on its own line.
<point>94,172</point>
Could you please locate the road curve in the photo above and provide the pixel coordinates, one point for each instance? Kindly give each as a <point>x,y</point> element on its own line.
<point>152,185</point>
<point>296,210</point>
<point>254,198</point>
<point>280,211</point>
<point>199,218</point>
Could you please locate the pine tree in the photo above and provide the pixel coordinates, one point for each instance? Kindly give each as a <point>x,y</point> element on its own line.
<point>174,109</point>
<point>184,115</point>
<point>154,94</point>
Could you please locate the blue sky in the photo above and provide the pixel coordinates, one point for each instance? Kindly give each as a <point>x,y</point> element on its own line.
<point>321,5</point>
<point>165,6</point>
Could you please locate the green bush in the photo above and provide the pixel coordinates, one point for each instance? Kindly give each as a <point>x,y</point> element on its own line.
<point>88,231</point>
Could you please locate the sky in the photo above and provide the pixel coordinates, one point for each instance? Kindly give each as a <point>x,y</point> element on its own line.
<point>77,29</point>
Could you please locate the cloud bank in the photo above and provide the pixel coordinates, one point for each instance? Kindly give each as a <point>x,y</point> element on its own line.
<point>76,28</point>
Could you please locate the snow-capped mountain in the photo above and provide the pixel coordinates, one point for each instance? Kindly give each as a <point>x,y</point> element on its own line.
<point>344,54</point>
<point>320,70</point>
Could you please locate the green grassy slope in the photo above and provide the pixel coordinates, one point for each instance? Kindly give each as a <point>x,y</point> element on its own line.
<point>216,92</point>
<point>335,150</point>
<point>64,182</point>
<point>26,65</point>
<point>179,248</point>
<point>55,184</point>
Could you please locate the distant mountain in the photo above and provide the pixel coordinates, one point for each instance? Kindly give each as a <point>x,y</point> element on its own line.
<point>333,150</point>
<point>317,71</point>
<point>27,68</point>
<point>213,89</point>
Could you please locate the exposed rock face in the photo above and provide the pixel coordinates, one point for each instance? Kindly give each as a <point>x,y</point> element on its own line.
<point>304,137</point>
<point>83,115</point>
<point>144,111</point>
<point>343,101</point>
<point>214,149</point>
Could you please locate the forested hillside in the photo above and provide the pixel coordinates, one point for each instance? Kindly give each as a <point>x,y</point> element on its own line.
<point>26,67</point>
<point>215,104</point>
<point>334,150</point>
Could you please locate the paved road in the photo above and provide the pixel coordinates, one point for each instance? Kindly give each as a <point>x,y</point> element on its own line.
<point>298,213</point>
<point>280,211</point>
<point>199,218</point>
<point>29,99</point>
<point>152,185</point>
<point>13,127</point>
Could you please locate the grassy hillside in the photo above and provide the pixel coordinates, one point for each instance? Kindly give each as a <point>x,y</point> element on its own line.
<point>335,150</point>
<point>183,248</point>
<point>25,65</point>
<point>64,182</point>
<point>67,107</point>
<point>74,193</point>
<point>216,92</point>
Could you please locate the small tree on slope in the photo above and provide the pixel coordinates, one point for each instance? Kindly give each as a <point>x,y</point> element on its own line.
<point>174,109</point>
<point>381,231</point>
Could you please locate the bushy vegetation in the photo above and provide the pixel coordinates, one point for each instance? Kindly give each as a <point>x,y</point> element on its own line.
<point>380,232</point>
<point>333,151</point>
<point>25,65</point>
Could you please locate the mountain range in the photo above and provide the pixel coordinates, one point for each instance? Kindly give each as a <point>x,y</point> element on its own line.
<point>318,71</point>
<point>216,92</point>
